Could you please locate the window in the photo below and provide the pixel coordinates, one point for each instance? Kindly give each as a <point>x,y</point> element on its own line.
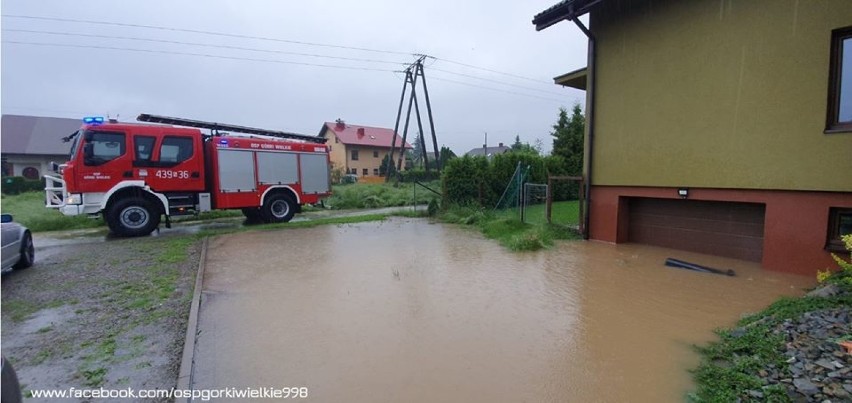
<point>102,147</point>
<point>354,171</point>
<point>840,82</point>
<point>375,171</point>
<point>144,147</point>
<point>375,154</point>
<point>839,224</point>
<point>175,149</point>
<point>354,155</point>
<point>366,171</point>
<point>30,173</point>
<point>336,140</point>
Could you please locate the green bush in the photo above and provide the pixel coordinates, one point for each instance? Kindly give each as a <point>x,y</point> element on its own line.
<point>419,175</point>
<point>478,180</point>
<point>466,180</point>
<point>13,185</point>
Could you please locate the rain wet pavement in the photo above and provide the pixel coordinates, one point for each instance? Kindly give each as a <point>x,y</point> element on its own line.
<point>405,310</point>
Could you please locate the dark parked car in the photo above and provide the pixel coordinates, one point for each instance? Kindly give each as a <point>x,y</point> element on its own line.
<point>10,390</point>
<point>18,251</point>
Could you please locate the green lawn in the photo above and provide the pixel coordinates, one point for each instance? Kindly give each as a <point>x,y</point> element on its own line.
<point>29,210</point>
<point>369,195</point>
<point>564,213</point>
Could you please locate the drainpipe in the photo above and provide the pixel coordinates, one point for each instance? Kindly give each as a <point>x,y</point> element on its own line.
<point>590,120</point>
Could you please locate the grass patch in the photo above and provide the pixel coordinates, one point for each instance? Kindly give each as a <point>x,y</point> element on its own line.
<point>29,210</point>
<point>729,367</point>
<point>507,228</point>
<point>377,195</point>
<point>19,310</point>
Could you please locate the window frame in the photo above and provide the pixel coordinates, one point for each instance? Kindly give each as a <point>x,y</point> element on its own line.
<point>164,143</point>
<point>375,154</point>
<point>136,141</point>
<point>353,155</point>
<point>89,140</point>
<point>365,172</point>
<point>833,125</point>
<point>833,242</point>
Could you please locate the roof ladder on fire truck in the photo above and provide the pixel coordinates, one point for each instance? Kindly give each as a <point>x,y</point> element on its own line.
<point>215,127</point>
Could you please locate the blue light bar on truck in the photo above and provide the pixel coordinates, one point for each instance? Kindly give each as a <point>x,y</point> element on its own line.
<point>93,120</point>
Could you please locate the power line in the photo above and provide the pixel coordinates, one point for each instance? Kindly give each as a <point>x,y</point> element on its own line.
<point>495,89</point>
<point>196,31</point>
<point>195,54</point>
<point>492,70</point>
<point>132,38</point>
<point>498,82</point>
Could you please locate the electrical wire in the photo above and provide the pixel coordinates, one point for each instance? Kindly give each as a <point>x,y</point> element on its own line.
<point>197,31</point>
<point>133,38</point>
<point>498,82</point>
<point>495,89</point>
<point>194,54</point>
<point>492,70</point>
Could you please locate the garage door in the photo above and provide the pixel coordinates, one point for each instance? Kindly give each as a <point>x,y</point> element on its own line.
<point>717,228</point>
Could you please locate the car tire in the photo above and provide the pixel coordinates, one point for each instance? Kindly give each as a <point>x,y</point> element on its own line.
<point>278,208</point>
<point>131,217</point>
<point>27,252</point>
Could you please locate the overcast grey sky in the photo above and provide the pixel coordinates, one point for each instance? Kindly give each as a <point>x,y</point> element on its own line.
<point>495,35</point>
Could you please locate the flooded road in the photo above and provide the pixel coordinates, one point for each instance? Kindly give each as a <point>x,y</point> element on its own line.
<point>405,310</point>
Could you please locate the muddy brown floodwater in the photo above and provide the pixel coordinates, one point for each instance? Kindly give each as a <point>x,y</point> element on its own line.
<point>408,311</point>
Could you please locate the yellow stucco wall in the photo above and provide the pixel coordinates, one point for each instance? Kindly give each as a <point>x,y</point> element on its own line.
<point>338,152</point>
<point>727,94</point>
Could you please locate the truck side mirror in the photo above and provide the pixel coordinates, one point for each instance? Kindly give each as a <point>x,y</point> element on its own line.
<point>6,218</point>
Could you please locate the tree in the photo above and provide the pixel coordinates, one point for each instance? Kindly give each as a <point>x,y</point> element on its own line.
<point>520,147</point>
<point>417,152</point>
<point>568,136</point>
<point>387,164</point>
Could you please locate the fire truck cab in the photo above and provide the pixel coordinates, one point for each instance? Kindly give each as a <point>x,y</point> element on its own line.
<point>133,174</point>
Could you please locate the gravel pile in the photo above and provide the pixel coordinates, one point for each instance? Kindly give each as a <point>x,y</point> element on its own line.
<point>820,370</point>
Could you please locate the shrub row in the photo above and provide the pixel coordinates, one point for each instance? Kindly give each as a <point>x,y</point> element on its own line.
<point>479,181</point>
<point>13,185</point>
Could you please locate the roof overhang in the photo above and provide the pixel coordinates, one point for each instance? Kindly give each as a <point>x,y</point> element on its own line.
<point>575,79</point>
<point>564,10</point>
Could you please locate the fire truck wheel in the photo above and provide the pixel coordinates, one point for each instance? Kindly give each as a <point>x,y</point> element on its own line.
<point>252,215</point>
<point>133,217</point>
<point>278,208</point>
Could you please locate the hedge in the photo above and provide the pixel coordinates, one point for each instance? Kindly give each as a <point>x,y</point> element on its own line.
<point>477,180</point>
<point>13,185</point>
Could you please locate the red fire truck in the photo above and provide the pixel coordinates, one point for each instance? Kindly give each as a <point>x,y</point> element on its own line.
<point>134,173</point>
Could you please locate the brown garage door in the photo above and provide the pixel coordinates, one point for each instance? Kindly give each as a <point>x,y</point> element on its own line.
<point>718,228</point>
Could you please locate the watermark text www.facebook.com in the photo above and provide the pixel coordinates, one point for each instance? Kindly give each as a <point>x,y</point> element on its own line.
<point>195,394</point>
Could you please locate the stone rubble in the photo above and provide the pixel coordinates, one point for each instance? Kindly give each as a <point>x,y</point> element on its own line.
<point>820,370</point>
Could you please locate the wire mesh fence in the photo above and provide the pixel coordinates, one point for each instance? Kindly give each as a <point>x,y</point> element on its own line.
<point>510,201</point>
<point>566,200</point>
<point>534,203</point>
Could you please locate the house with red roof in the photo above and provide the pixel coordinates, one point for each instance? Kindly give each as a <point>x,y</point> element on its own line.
<point>360,150</point>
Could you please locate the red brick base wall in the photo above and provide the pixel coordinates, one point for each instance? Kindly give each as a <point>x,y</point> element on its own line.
<point>795,227</point>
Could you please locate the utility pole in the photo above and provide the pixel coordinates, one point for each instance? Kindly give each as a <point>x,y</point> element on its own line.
<point>412,72</point>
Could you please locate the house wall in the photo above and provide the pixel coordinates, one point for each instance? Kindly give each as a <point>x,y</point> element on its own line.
<point>717,94</point>
<point>794,234</point>
<point>338,152</point>
<point>39,162</point>
<point>367,160</point>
